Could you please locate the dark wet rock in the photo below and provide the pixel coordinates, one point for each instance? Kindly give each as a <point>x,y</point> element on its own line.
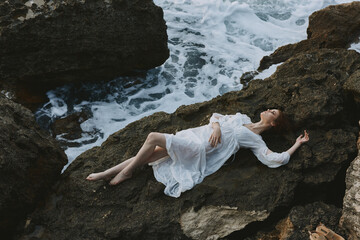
<point>306,218</point>
<point>30,163</point>
<point>353,86</point>
<point>350,219</point>
<point>31,95</point>
<point>69,126</point>
<point>247,77</point>
<point>335,26</point>
<point>309,87</point>
<point>59,41</point>
<point>68,131</point>
<point>302,219</point>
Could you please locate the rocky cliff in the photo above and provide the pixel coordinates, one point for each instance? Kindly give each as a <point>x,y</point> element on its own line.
<point>59,41</point>
<point>309,88</point>
<point>244,199</point>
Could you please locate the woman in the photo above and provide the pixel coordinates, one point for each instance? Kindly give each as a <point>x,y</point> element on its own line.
<point>183,160</point>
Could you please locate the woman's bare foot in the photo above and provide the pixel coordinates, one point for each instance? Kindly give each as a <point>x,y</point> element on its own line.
<point>120,177</point>
<point>97,176</point>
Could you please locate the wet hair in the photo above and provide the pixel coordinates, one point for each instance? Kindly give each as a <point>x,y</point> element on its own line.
<point>282,123</point>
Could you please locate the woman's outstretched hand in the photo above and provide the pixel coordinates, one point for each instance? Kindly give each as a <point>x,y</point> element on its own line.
<point>303,138</point>
<point>299,141</point>
<point>215,137</point>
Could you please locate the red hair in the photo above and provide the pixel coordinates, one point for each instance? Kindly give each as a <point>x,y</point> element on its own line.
<point>282,123</point>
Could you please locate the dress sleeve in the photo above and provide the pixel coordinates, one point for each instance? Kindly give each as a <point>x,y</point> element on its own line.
<point>217,117</point>
<point>273,159</point>
<point>243,118</point>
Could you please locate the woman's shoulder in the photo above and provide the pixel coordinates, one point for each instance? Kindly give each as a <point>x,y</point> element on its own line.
<point>245,118</point>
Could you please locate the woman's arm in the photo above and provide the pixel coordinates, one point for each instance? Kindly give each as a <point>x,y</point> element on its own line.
<point>274,159</point>
<point>299,141</point>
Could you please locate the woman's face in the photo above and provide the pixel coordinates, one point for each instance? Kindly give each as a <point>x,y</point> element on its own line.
<point>270,115</point>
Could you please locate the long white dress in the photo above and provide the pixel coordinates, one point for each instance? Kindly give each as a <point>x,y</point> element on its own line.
<point>192,158</point>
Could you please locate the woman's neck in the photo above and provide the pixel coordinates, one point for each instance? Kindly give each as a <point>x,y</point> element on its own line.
<point>259,127</point>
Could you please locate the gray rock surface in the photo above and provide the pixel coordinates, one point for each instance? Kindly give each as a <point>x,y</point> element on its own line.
<point>350,219</point>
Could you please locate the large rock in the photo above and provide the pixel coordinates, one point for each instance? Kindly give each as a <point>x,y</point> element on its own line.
<point>78,40</point>
<point>308,87</point>
<point>335,26</point>
<point>350,219</point>
<point>30,163</point>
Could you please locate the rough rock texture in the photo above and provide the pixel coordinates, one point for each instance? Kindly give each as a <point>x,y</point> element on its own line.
<point>30,163</point>
<point>335,26</point>
<point>78,40</point>
<point>213,222</point>
<point>350,219</point>
<point>70,125</point>
<point>302,219</point>
<point>353,86</point>
<point>308,87</point>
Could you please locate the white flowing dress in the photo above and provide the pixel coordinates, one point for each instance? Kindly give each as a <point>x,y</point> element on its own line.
<point>192,158</point>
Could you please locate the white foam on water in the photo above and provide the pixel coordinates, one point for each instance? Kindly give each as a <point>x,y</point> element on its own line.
<point>267,72</point>
<point>58,105</point>
<point>355,46</point>
<point>212,43</point>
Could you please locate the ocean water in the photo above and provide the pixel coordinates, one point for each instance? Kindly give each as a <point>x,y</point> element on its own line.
<point>212,43</point>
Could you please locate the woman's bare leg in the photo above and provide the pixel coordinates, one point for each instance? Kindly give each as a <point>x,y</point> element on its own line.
<point>142,157</point>
<point>158,153</point>
<point>109,172</point>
